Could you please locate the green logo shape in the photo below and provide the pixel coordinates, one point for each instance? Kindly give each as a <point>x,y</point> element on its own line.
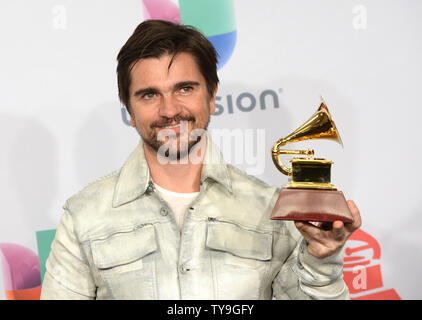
<point>44,240</point>
<point>211,17</point>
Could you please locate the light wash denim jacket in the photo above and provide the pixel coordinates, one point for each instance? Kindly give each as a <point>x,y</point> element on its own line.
<point>118,240</point>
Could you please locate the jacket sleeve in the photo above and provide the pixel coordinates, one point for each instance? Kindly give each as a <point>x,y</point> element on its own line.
<point>68,275</point>
<point>304,276</point>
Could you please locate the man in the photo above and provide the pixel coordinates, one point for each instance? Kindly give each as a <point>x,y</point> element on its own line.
<point>176,222</point>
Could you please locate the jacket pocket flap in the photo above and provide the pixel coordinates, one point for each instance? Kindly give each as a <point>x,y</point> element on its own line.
<point>123,247</point>
<point>239,241</point>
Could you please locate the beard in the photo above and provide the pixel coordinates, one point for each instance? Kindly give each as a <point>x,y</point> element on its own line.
<point>171,145</point>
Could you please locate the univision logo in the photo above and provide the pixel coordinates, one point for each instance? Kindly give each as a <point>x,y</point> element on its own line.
<point>214,18</point>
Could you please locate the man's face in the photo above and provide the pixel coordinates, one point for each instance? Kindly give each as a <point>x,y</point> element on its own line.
<point>163,98</point>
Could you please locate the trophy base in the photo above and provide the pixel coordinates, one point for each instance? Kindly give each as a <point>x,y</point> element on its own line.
<point>311,205</point>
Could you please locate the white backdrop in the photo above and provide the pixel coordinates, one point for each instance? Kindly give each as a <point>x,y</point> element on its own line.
<point>61,125</point>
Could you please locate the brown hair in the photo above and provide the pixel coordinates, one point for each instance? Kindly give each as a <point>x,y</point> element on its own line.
<point>154,38</point>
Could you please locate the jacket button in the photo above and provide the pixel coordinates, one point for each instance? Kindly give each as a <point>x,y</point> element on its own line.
<point>183,269</point>
<point>164,211</point>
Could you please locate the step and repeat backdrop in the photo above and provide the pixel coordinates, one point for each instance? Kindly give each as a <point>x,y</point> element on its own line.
<point>62,125</point>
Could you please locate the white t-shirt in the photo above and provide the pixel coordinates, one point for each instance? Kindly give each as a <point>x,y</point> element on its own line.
<point>178,202</point>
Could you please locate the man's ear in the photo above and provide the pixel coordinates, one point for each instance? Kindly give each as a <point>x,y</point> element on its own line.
<point>212,100</point>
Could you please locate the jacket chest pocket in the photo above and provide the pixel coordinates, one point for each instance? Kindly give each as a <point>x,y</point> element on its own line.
<point>240,260</point>
<point>126,263</point>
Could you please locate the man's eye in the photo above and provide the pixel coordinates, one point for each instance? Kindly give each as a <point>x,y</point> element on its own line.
<point>148,96</point>
<point>186,89</point>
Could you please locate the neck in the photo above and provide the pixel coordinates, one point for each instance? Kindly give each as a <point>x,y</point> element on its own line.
<point>182,176</point>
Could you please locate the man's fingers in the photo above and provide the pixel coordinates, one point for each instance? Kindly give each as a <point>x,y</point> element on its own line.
<point>307,228</point>
<point>327,238</point>
<point>357,220</point>
<point>338,230</point>
<point>302,227</point>
<point>338,224</point>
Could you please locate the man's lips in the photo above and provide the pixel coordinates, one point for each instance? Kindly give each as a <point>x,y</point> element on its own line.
<point>173,124</point>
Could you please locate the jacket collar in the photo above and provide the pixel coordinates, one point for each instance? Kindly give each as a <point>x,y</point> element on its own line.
<point>134,177</point>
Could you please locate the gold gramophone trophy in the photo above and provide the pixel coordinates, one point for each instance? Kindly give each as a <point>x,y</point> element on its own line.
<point>310,196</point>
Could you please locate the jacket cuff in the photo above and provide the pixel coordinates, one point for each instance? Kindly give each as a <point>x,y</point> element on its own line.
<point>317,272</point>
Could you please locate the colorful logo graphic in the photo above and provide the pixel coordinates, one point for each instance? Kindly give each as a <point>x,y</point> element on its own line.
<point>21,272</point>
<point>214,18</point>
<point>362,270</point>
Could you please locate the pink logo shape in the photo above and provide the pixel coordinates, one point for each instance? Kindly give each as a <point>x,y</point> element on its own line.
<point>21,268</point>
<point>161,10</point>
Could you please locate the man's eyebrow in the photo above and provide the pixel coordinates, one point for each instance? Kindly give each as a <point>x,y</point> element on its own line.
<point>178,85</point>
<point>142,91</point>
<point>186,84</point>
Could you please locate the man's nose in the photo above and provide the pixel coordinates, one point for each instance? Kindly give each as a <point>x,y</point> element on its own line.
<point>169,107</point>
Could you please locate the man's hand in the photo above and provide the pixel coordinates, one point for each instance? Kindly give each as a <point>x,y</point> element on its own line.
<point>323,241</point>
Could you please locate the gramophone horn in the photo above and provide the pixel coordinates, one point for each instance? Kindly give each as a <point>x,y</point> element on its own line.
<point>319,126</point>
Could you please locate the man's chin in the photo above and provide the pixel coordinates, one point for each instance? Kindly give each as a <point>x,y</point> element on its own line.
<point>173,156</point>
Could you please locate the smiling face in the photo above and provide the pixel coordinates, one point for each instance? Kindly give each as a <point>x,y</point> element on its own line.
<point>173,98</point>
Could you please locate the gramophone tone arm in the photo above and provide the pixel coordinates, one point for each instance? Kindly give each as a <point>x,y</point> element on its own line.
<point>276,151</point>
<point>308,152</point>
